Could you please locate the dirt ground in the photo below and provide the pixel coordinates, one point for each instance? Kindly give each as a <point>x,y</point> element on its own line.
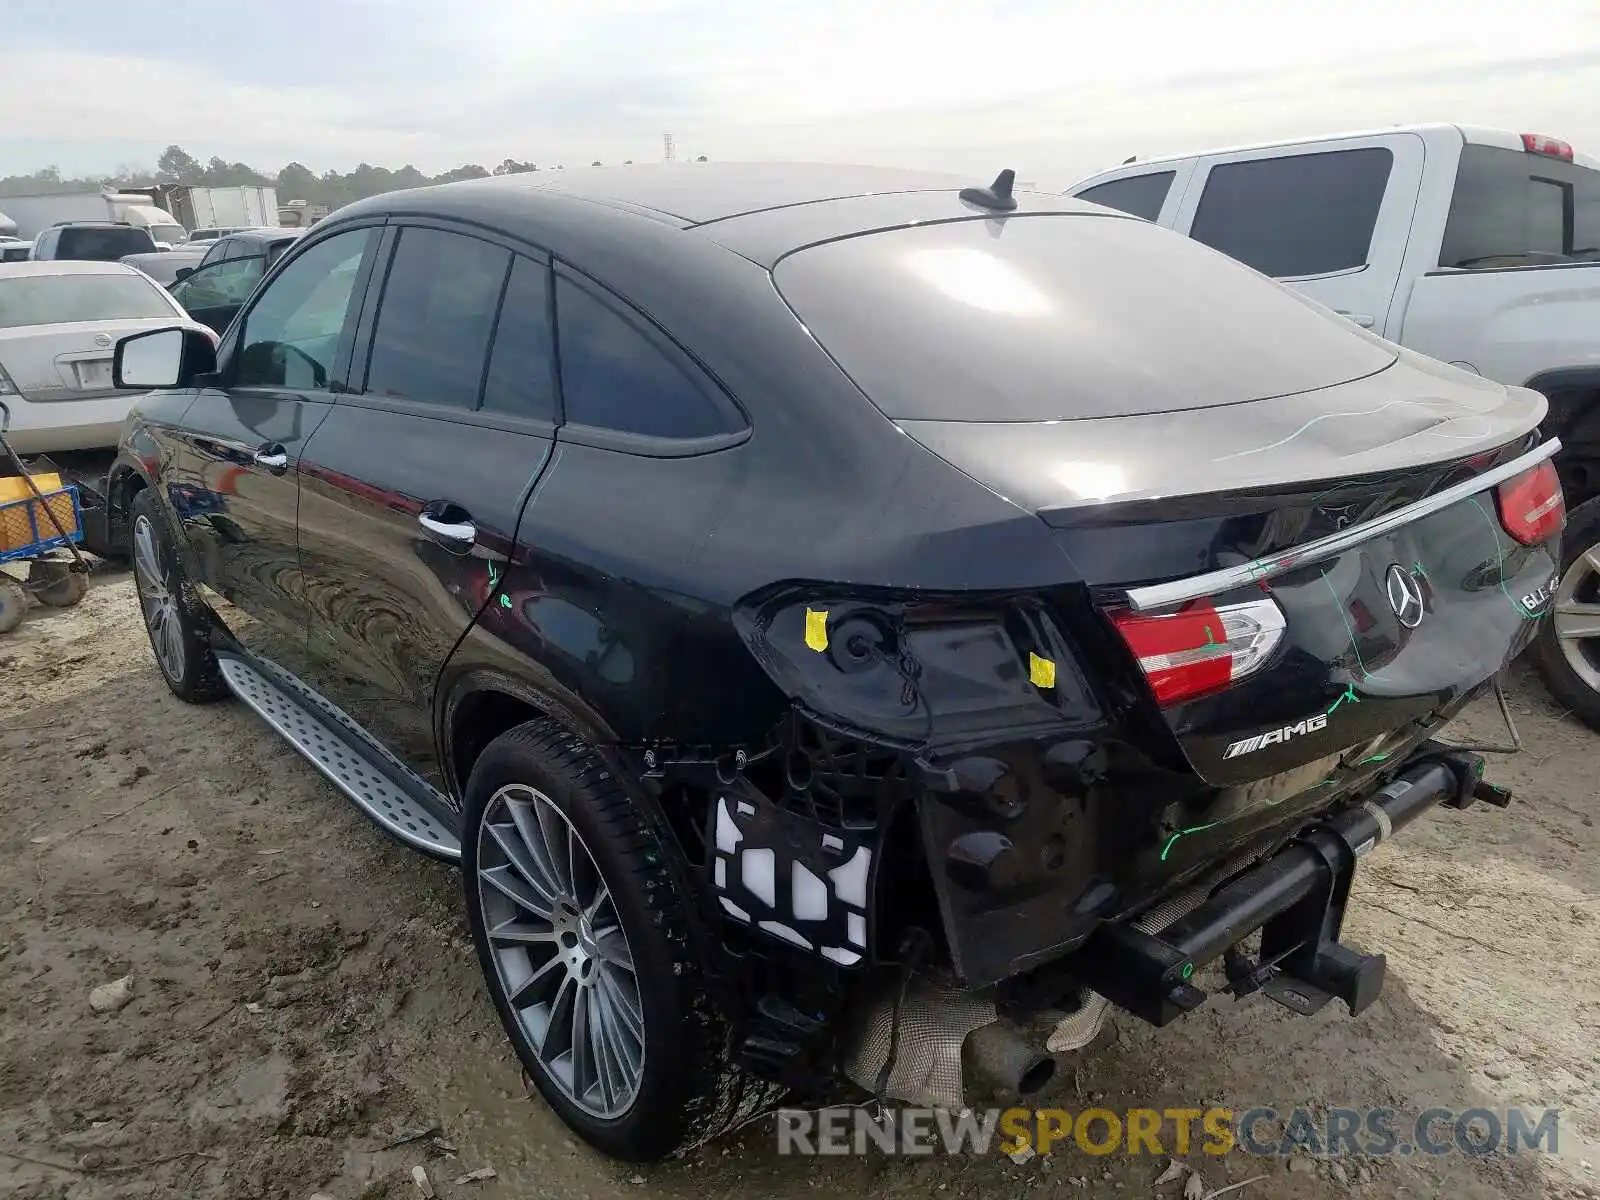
<point>304,990</point>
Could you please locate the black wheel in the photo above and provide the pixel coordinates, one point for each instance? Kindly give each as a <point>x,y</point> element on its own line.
<point>57,584</point>
<point>13,603</point>
<point>1566,651</point>
<point>583,935</point>
<point>170,608</point>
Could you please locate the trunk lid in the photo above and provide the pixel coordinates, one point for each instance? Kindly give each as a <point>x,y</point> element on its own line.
<point>70,361</point>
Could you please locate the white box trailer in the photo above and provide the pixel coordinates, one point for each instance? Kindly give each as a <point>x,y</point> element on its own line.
<point>34,214</point>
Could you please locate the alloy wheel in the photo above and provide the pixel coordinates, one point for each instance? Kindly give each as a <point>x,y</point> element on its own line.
<point>562,960</point>
<point>160,605</point>
<point>1576,616</point>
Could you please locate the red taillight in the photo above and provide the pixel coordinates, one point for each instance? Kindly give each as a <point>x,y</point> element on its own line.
<point>1537,143</point>
<point>1531,506</point>
<point>1201,648</point>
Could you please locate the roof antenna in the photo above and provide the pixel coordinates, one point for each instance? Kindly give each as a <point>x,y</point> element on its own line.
<point>997,195</point>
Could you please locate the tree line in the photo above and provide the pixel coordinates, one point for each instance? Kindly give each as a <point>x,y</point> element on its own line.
<point>295,181</point>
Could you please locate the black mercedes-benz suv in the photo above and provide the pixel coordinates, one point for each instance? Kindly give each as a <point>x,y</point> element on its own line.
<point>851,629</point>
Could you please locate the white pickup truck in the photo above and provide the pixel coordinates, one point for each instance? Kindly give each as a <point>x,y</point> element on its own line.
<point>1478,247</point>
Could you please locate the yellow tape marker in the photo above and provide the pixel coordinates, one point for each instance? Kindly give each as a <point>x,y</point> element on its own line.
<point>817,629</point>
<point>1041,671</point>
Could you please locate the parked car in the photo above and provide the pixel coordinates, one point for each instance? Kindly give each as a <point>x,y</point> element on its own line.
<point>1477,246</point>
<point>835,617</point>
<point>166,266</point>
<point>92,241</point>
<point>58,323</point>
<point>213,291</point>
<point>14,249</point>
<point>211,235</point>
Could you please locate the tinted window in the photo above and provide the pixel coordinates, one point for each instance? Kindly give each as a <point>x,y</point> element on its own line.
<point>1058,318</point>
<point>57,299</point>
<point>521,378</point>
<point>1140,195</point>
<point>291,335</point>
<point>219,251</point>
<point>1303,214</point>
<point>618,373</point>
<point>219,285</point>
<point>102,244</point>
<point>435,318</point>
<point>1508,205</point>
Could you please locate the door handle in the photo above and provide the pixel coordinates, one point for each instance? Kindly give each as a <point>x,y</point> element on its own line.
<point>274,458</point>
<point>1362,319</point>
<point>462,533</point>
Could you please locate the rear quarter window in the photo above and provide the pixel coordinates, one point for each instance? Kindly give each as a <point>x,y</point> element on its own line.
<point>1136,195</point>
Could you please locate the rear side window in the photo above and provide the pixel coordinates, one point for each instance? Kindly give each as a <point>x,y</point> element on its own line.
<point>1301,214</point>
<point>521,380</point>
<point>619,373</point>
<point>1137,195</point>
<point>1512,208</point>
<point>58,299</point>
<point>103,245</point>
<point>435,318</point>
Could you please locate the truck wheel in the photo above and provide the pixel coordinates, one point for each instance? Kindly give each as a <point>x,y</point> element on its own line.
<point>1566,651</point>
<point>582,931</point>
<point>170,607</point>
<point>13,603</point>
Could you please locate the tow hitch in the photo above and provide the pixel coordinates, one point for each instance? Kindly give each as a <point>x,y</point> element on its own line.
<point>1296,899</point>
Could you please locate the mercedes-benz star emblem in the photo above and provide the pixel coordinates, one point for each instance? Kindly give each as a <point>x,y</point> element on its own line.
<point>102,339</point>
<point>1405,596</point>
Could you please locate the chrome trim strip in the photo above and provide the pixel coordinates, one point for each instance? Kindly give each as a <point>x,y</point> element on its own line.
<point>1213,583</point>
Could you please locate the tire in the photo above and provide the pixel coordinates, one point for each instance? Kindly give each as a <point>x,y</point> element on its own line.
<point>13,603</point>
<point>1570,666</point>
<point>686,1090</point>
<point>169,606</point>
<point>56,584</point>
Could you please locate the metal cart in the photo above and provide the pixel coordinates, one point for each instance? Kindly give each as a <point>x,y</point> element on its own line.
<point>38,530</point>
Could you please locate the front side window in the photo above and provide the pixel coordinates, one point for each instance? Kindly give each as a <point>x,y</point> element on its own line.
<point>292,334</point>
<point>1137,195</point>
<point>1295,215</point>
<point>619,374</point>
<point>435,318</point>
<point>219,285</point>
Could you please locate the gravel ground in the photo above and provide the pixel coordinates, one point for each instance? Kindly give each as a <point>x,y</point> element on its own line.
<point>303,990</point>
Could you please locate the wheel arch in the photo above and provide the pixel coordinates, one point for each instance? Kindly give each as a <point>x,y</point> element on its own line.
<point>1574,417</point>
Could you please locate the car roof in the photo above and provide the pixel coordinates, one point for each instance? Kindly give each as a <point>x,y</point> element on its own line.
<point>265,233</point>
<point>64,266</point>
<point>758,210</point>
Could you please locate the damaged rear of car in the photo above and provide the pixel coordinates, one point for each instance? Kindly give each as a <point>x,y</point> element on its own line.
<point>1281,555</point>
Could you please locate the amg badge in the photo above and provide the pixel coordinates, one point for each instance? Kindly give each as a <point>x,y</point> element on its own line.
<point>1273,737</point>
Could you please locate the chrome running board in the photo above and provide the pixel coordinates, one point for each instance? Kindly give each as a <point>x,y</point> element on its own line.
<point>350,767</point>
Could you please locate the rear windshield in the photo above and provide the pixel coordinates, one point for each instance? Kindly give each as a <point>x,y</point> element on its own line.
<point>58,299</point>
<point>102,244</point>
<point>1060,317</point>
<point>1517,209</point>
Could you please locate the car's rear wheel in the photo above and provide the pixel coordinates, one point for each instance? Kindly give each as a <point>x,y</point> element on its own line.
<point>170,607</point>
<point>1567,649</point>
<point>582,930</point>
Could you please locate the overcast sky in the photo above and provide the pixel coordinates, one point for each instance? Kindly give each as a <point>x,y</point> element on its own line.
<point>1054,88</point>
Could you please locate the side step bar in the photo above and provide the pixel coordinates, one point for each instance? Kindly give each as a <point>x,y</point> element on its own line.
<point>1296,898</point>
<point>393,806</point>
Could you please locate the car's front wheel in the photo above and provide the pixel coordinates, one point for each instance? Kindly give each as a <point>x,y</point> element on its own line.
<point>1567,649</point>
<point>582,930</point>
<point>169,606</point>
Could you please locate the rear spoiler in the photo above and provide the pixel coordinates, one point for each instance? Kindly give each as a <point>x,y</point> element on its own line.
<point>1225,579</point>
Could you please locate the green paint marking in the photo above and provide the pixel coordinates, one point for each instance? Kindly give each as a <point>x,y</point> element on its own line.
<point>1373,759</point>
<point>1349,694</point>
<point>1167,849</point>
<point>505,600</point>
<point>1416,565</point>
<point>1500,562</point>
<point>1188,970</point>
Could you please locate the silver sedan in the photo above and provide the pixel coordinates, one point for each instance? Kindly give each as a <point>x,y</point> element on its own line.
<point>59,323</point>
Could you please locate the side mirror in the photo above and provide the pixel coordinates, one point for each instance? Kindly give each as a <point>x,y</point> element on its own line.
<point>162,358</point>
<point>183,273</point>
